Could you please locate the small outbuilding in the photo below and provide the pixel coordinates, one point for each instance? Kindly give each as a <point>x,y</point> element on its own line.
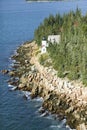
<point>54,39</point>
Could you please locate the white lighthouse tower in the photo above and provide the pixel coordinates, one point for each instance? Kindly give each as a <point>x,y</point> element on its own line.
<point>43,45</point>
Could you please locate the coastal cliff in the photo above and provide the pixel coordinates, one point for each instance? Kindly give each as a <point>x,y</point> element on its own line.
<point>67,99</point>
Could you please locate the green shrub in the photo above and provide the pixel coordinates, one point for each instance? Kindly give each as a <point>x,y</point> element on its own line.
<point>43,58</point>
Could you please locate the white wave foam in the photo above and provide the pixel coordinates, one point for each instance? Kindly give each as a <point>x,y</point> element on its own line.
<point>63,122</point>
<point>55,127</point>
<point>49,117</point>
<point>38,99</point>
<point>10,86</point>
<point>69,128</point>
<point>26,94</point>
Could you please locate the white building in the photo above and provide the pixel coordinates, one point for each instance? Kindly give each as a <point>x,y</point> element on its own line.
<point>54,38</point>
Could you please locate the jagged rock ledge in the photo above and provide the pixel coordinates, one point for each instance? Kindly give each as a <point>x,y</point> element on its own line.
<point>61,96</point>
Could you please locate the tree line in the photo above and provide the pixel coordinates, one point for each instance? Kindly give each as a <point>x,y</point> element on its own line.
<point>70,55</point>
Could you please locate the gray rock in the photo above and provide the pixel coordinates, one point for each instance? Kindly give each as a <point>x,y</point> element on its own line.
<point>81,127</point>
<point>4,71</point>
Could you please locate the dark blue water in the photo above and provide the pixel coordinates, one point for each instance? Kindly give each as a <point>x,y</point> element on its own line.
<point>18,20</point>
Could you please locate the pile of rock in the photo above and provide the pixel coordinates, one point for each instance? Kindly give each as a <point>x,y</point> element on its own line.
<point>61,96</point>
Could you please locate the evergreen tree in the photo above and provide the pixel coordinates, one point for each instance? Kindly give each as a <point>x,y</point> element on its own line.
<point>71,54</point>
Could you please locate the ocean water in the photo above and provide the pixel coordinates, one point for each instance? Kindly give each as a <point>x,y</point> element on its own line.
<point>18,20</point>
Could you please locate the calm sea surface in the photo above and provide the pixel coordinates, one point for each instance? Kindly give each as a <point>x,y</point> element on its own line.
<point>18,20</point>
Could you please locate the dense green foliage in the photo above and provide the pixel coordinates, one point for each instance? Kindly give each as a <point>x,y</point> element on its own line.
<point>70,56</point>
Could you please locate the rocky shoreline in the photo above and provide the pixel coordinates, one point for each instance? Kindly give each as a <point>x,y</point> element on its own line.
<point>61,96</point>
